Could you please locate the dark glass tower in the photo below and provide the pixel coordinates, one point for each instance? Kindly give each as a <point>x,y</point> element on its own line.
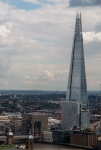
<point>77,88</point>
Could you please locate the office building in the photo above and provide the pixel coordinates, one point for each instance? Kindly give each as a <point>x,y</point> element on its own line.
<point>75,109</point>
<point>70,114</point>
<point>85,118</point>
<point>77,88</point>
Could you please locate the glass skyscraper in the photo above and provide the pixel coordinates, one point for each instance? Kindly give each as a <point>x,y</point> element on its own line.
<point>77,88</point>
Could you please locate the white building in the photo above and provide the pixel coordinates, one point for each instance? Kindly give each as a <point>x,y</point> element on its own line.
<point>53,123</point>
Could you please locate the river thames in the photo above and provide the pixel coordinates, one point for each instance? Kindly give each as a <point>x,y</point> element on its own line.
<point>38,146</point>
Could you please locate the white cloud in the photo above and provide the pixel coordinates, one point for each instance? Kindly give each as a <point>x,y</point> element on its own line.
<point>4,32</point>
<point>28,82</point>
<point>6,83</point>
<point>20,38</point>
<point>92,36</point>
<point>31,1</point>
<point>35,47</point>
<point>47,1</point>
<point>10,24</point>
<point>26,77</point>
<point>49,75</point>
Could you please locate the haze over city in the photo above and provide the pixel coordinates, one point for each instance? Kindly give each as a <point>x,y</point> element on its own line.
<point>36,39</point>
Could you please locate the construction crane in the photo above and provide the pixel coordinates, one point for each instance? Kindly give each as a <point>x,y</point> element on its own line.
<point>36,104</point>
<point>58,103</point>
<point>36,101</point>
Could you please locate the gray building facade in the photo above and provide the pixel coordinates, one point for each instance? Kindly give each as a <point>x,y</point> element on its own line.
<point>77,87</point>
<point>70,114</point>
<point>85,118</point>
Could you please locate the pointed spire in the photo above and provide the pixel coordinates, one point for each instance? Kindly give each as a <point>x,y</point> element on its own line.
<point>78,25</point>
<point>81,21</point>
<point>77,15</point>
<point>80,15</point>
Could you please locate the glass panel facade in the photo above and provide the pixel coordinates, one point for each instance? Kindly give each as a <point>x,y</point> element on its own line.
<point>70,114</point>
<point>77,88</point>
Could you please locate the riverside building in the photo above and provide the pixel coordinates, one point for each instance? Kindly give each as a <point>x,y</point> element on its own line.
<point>76,97</point>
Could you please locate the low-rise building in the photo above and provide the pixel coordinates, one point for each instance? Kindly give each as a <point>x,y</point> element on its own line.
<point>94,118</point>
<point>53,123</point>
<point>4,119</point>
<point>16,125</point>
<point>87,140</point>
<point>47,137</point>
<point>11,114</point>
<point>61,136</point>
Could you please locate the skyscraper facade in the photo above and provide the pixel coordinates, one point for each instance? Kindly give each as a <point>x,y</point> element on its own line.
<point>70,114</point>
<point>77,87</point>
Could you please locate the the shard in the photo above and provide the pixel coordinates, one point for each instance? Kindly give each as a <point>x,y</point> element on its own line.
<point>77,87</point>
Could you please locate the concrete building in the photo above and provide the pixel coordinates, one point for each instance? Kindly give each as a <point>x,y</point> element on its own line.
<point>11,115</point>
<point>61,136</point>
<point>10,120</point>
<point>70,114</point>
<point>94,118</point>
<point>47,137</point>
<point>4,119</point>
<point>53,123</point>
<point>36,123</point>
<point>85,118</point>
<point>1,128</point>
<point>16,125</point>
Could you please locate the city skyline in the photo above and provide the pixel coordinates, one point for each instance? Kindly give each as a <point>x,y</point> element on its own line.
<point>36,40</point>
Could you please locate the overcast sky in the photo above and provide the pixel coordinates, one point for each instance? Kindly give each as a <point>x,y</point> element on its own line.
<point>36,39</point>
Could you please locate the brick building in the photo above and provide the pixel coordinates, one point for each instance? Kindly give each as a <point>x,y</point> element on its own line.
<point>83,139</point>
